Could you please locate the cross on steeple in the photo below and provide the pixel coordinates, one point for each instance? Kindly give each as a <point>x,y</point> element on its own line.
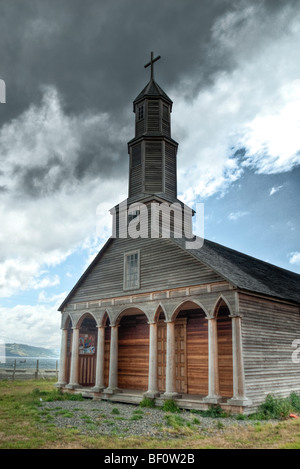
<point>152,60</point>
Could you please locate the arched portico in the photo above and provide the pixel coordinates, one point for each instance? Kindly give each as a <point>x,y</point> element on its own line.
<point>87,348</point>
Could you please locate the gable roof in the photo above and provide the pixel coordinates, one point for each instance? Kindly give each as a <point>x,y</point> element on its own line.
<point>247,272</point>
<point>243,271</point>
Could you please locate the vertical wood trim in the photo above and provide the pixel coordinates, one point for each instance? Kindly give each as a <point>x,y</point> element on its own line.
<point>74,357</point>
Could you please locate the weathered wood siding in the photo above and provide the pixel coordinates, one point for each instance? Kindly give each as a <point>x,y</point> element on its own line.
<point>133,353</point>
<point>162,265</point>
<point>269,329</point>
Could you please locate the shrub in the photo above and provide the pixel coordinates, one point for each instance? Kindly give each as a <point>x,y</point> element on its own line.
<point>276,408</point>
<point>170,406</point>
<point>147,402</point>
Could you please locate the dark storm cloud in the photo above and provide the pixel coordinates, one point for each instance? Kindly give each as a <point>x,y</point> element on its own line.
<point>93,53</point>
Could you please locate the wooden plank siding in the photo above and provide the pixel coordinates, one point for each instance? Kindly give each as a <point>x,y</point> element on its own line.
<point>196,351</point>
<point>133,353</point>
<point>268,330</point>
<point>163,265</point>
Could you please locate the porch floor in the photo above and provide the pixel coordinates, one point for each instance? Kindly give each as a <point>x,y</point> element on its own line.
<point>132,396</point>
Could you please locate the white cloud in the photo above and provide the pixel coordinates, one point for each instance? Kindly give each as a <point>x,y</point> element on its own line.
<point>237,215</point>
<point>33,325</point>
<point>294,258</point>
<point>41,232</point>
<point>256,106</point>
<point>275,189</point>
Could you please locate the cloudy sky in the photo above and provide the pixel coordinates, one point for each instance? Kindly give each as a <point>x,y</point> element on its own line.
<point>72,69</point>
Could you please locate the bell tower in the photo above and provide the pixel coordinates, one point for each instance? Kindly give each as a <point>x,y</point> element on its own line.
<point>152,151</point>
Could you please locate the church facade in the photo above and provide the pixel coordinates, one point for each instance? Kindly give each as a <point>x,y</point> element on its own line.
<point>164,314</point>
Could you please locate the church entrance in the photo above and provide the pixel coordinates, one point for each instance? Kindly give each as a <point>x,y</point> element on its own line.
<point>133,351</point>
<point>87,351</point>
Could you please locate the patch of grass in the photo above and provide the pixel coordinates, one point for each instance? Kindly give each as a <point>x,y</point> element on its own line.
<point>115,411</point>
<point>277,408</point>
<point>136,417</point>
<point>23,427</point>
<point>171,406</point>
<point>147,402</point>
<point>87,419</point>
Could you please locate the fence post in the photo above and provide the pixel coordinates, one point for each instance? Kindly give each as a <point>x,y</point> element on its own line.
<point>14,370</point>
<point>37,369</point>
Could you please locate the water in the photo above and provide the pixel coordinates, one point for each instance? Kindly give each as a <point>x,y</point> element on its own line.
<point>28,363</point>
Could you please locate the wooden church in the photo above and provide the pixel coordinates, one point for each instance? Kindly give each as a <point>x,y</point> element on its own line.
<point>155,316</point>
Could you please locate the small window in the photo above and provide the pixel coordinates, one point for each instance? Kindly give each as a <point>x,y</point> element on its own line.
<point>141,112</point>
<point>133,214</point>
<point>131,270</point>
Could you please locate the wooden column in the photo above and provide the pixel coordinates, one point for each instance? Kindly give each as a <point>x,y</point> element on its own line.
<point>99,381</point>
<point>74,359</point>
<point>213,365</point>
<point>239,397</point>
<point>152,377</point>
<point>62,379</point>
<point>170,362</point>
<point>113,361</point>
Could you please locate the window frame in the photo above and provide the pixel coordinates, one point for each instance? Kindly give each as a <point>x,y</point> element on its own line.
<point>140,112</point>
<point>125,276</point>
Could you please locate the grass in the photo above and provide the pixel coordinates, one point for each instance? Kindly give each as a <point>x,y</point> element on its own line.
<point>25,424</point>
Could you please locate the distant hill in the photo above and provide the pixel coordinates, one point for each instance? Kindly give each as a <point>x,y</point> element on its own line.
<point>22,350</point>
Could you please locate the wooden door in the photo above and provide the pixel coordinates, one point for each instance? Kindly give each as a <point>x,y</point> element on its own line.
<point>180,355</point>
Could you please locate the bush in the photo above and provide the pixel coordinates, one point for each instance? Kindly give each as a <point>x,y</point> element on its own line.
<point>170,406</point>
<point>275,408</point>
<point>147,402</point>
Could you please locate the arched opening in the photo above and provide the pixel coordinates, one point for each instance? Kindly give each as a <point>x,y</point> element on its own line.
<point>224,332</point>
<point>191,337</point>
<point>87,350</point>
<point>133,350</point>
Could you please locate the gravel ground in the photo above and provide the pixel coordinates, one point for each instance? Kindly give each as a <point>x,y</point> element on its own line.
<point>123,420</point>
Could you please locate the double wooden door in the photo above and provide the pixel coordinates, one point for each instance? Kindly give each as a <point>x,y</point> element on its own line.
<point>180,355</point>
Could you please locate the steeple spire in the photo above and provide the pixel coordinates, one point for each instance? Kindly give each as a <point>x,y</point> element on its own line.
<point>152,151</point>
<point>152,60</point>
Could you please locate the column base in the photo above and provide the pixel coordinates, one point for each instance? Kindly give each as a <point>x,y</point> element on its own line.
<point>112,390</point>
<point>60,385</point>
<point>151,394</point>
<point>212,399</point>
<point>97,389</point>
<point>239,401</point>
<point>72,386</point>
<point>171,395</point>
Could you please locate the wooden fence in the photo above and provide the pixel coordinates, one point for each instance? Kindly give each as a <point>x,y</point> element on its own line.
<point>15,373</point>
